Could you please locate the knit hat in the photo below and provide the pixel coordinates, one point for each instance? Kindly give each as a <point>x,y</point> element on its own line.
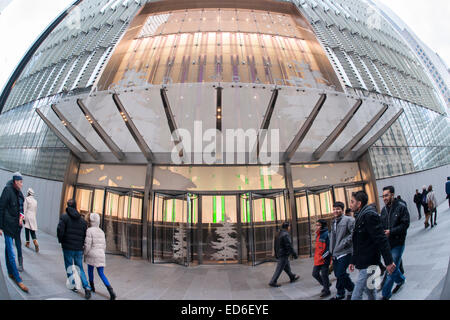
<point>17,176</point>
<point>30,192</point>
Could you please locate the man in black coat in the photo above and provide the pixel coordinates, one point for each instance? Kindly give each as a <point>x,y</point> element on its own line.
<point>11,220</point>
<point>369,240</point>
<point>283,249</point>
<point>395,219</point>
<point>418,201</point>
<point>71,234</point>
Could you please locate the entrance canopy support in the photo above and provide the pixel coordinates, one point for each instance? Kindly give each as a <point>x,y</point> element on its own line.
<point>77,135</point>
<point>378,135</point>
<point>267,117</point>
<point>305,128</point>
<point>337,131</point>
<point>349,146</point>
<point>100,131</point>
<point>140,141</point>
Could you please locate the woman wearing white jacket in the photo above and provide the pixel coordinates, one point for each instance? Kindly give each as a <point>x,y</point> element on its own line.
<point>29,211</point>
<point>94,253</point>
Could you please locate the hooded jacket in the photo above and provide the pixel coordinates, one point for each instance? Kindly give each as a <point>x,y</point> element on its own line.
<point>396,219</point>
<point>29,210</point>
<point>95,243</point>
<point>71,230</point>
<point>369,240</point>
<point>341,236</point>
<point>322,253</point>
<point>11,205</point>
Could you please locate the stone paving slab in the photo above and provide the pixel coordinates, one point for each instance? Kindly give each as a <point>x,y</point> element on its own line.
<point>425,260</point>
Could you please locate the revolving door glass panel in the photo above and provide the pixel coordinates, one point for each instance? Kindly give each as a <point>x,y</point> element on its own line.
<point>268,213</point>
<point>123,223</point>
<point>219,229</point>
<point>172,220</point>
<point>303,224</point>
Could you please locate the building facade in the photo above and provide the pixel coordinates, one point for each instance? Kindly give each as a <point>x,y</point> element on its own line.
<point>195,128</point>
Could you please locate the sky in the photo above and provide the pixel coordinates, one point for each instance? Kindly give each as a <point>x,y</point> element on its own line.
<point>22,21</point>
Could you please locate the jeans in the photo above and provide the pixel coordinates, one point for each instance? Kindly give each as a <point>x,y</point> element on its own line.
<point>283,264</point>
<point>396,276</point>
<point>11,259</point>
<point>362,286</point>
<point>27,234</point>
<point>343,278</point>
<point>75,257</point>
<point>100,271</point>
<point>320,273</point>
<point>419,206</point>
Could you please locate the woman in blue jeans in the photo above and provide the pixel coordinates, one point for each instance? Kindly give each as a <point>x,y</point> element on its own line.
<point>94,253</point>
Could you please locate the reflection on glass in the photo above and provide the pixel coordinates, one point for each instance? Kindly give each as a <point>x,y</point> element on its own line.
<point>303,224</point>
<point>83,199</point>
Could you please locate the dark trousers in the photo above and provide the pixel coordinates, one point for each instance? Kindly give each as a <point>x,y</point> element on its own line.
<point>419,207</point>
<point>283,264</point>
<point>343,281</point>
<point>18,243</point>
<point>435,216</point>
<point>320,273</point>
<point>27,234</point>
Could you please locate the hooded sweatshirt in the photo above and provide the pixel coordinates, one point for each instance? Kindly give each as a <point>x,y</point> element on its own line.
<point>72,230</point>
<point>95,243</point>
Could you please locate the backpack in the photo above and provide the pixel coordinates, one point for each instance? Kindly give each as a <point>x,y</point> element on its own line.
<point>424,199</point>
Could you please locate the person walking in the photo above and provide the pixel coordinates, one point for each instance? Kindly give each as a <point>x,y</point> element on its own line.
<point>447,190</point>
<point>425,206</point>
<point>432,205</point>
<point>71,234</point>
<point>369,240</point>
<point>322,258</point>
<point>30,210</point>
<point>94,253</point>
<point>283,249</point>
<point>11,219</point>
<point>418,202</point>
<point>341,250</point>
<point>395,219</point>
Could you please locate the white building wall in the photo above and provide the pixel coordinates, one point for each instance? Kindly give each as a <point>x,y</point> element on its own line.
<point>48,196</point>
<point>406,186</point>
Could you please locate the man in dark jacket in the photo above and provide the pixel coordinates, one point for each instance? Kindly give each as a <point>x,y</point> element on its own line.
<point>283,249</point>
<point>71,234</point>
<point>369,240</point>
<point>418,201</point>
<point>11,220</point>
<point>395,219</point>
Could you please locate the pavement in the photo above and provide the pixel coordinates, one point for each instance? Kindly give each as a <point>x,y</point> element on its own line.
<point>425,260</point>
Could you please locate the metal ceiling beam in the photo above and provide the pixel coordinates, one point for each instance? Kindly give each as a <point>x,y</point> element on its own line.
<point>356,139</point>
<point>64,140</point>
<point>267,117</point>
<point>100,131</point>
<point>377,136</point>
<point>140,141</point>
<point>172,123</point>
<point>337,131</point>
<point>290,151</point>
<point>74,132</point>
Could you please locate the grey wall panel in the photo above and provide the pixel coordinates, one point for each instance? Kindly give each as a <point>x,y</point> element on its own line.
<point>48,195</point>
<point>406,186</point>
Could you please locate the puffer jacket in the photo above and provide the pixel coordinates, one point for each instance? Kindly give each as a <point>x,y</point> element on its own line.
<point>322,252</point>
<point>72,230</point>
<point>95,243</point>
<point>11,205</point>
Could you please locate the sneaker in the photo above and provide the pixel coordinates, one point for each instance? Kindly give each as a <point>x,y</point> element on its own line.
<point>275,285</point>
<point>325,294</point>
<point>398,287</point>
<point>338,298</point>
<point>87,294</point>
<point>296,277</point>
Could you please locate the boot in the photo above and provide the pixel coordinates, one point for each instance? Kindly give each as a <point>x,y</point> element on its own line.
<point>36,245</point>
<point>91,284</point>
<point>20,267</point>
<point>27,244</point>
<point>111,293</point>
<point>87,294</point>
